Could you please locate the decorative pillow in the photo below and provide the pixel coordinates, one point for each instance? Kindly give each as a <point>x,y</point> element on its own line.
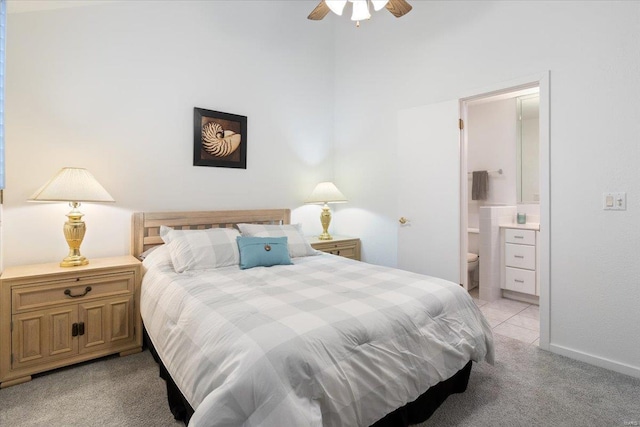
<point>263,251</point>
<point>298,245</point>
<point>202,249</point>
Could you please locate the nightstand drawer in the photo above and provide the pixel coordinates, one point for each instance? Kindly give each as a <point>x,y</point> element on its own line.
<point>80,289</point>
<point>348,247</point>
<point>345,251</point>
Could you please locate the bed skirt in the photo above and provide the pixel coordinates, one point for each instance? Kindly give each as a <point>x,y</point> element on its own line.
<point>412,413</point>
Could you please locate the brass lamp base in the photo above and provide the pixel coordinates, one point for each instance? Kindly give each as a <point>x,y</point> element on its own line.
<point>325,220</point>
<point>74,261</point>
<point>74,230</point>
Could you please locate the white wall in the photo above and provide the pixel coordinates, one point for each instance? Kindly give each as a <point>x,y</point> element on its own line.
<point>112,88</point>
<point>491,128</point>
<point>445,50</point>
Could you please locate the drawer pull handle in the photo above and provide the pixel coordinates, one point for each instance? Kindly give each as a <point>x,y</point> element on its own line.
<point>518,256</point>
<point>518,237</point>
<point>518,281</point>
<point>86,291</point>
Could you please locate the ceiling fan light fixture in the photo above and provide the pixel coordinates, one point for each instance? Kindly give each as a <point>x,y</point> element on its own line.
<point>336,6</point>
<point>379,4</point>
<point>360,10</point>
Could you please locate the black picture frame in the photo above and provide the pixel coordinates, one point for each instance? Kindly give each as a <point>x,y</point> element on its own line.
<point>219,139</point>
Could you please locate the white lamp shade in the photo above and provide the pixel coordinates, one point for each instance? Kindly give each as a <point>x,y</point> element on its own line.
<point>379,4</point>
<point>326,192</point>
<point>360,10</point>
<point>72,185</point>
<point>336,6</point>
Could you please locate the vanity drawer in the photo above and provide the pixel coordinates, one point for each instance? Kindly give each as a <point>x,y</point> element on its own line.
<point>521,237</point>
<point>520,256</point>
<point>519,280</point>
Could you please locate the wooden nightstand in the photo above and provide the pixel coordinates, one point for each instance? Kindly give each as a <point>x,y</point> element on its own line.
<point>348,247</point>
<point>52,316</point>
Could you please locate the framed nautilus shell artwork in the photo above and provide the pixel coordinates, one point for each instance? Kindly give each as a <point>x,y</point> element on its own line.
<point>219,139</point>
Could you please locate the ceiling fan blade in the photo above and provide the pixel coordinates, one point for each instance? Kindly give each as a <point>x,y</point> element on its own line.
<point>319,12</point>
<point>398,7</point>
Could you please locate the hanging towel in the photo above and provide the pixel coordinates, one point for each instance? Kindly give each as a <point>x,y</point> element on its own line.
<point>479,185</point>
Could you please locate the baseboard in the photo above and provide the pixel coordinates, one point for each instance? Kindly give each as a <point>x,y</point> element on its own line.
<point>633,371</point>
<point>518,296</point>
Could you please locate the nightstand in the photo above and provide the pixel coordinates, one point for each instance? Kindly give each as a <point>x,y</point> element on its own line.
<point>52,316</point>
<point>348,247</point>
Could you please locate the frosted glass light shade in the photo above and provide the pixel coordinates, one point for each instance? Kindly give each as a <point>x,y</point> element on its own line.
<point>326,192</point>
<point>72,185</point>
<point>360,10</point>
<point>336,6</point>
<point>379,4</point>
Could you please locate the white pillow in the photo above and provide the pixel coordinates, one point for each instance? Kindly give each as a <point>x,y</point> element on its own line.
<point>298,245</point>
<point>167,234</point>
<point>148,252</point>
<point>202,249</point>
<point>157,256</point>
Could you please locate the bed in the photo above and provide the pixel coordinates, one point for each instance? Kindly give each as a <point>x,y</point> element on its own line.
<point>322,341</point>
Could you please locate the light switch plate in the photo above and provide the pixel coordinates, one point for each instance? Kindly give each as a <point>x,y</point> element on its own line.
<point>614,201</point>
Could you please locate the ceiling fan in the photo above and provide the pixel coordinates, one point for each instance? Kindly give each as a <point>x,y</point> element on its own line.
<point>361,8</point>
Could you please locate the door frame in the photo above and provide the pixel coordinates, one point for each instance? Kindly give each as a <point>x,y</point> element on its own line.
<point>540,80</point>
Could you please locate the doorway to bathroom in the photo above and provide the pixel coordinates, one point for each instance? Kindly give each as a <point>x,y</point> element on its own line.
<point>501,134</point>
<point>504,180</point>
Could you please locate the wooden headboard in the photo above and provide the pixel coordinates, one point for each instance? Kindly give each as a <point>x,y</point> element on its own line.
<point>145,226</point>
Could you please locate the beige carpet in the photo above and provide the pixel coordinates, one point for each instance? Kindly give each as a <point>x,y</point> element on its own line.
<point>526,387</point>
<point>532,387</point>
<point>114,391</point>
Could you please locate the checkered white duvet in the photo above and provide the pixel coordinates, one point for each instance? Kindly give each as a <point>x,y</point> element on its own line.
<point>326,341</point>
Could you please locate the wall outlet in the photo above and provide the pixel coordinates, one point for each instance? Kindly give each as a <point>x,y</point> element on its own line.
<point>614,201</point>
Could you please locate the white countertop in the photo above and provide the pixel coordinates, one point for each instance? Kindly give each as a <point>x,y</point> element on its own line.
<point>527,226</point>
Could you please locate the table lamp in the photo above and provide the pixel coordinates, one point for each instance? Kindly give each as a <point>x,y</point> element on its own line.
<point>325,193</point>
<point>73,185</point>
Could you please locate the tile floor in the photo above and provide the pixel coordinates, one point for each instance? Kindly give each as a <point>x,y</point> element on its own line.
<point>514,319</point>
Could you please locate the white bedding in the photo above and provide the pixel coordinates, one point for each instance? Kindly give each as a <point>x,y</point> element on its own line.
<point>326,341</point>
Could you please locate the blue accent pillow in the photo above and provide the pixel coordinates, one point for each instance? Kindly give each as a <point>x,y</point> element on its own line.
<point>263,251</point>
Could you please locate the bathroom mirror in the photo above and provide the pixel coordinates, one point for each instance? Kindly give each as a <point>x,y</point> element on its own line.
<point>527,149</point>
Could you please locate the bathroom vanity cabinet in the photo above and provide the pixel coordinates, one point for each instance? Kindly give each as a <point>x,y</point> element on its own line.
<point>520,262</point>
